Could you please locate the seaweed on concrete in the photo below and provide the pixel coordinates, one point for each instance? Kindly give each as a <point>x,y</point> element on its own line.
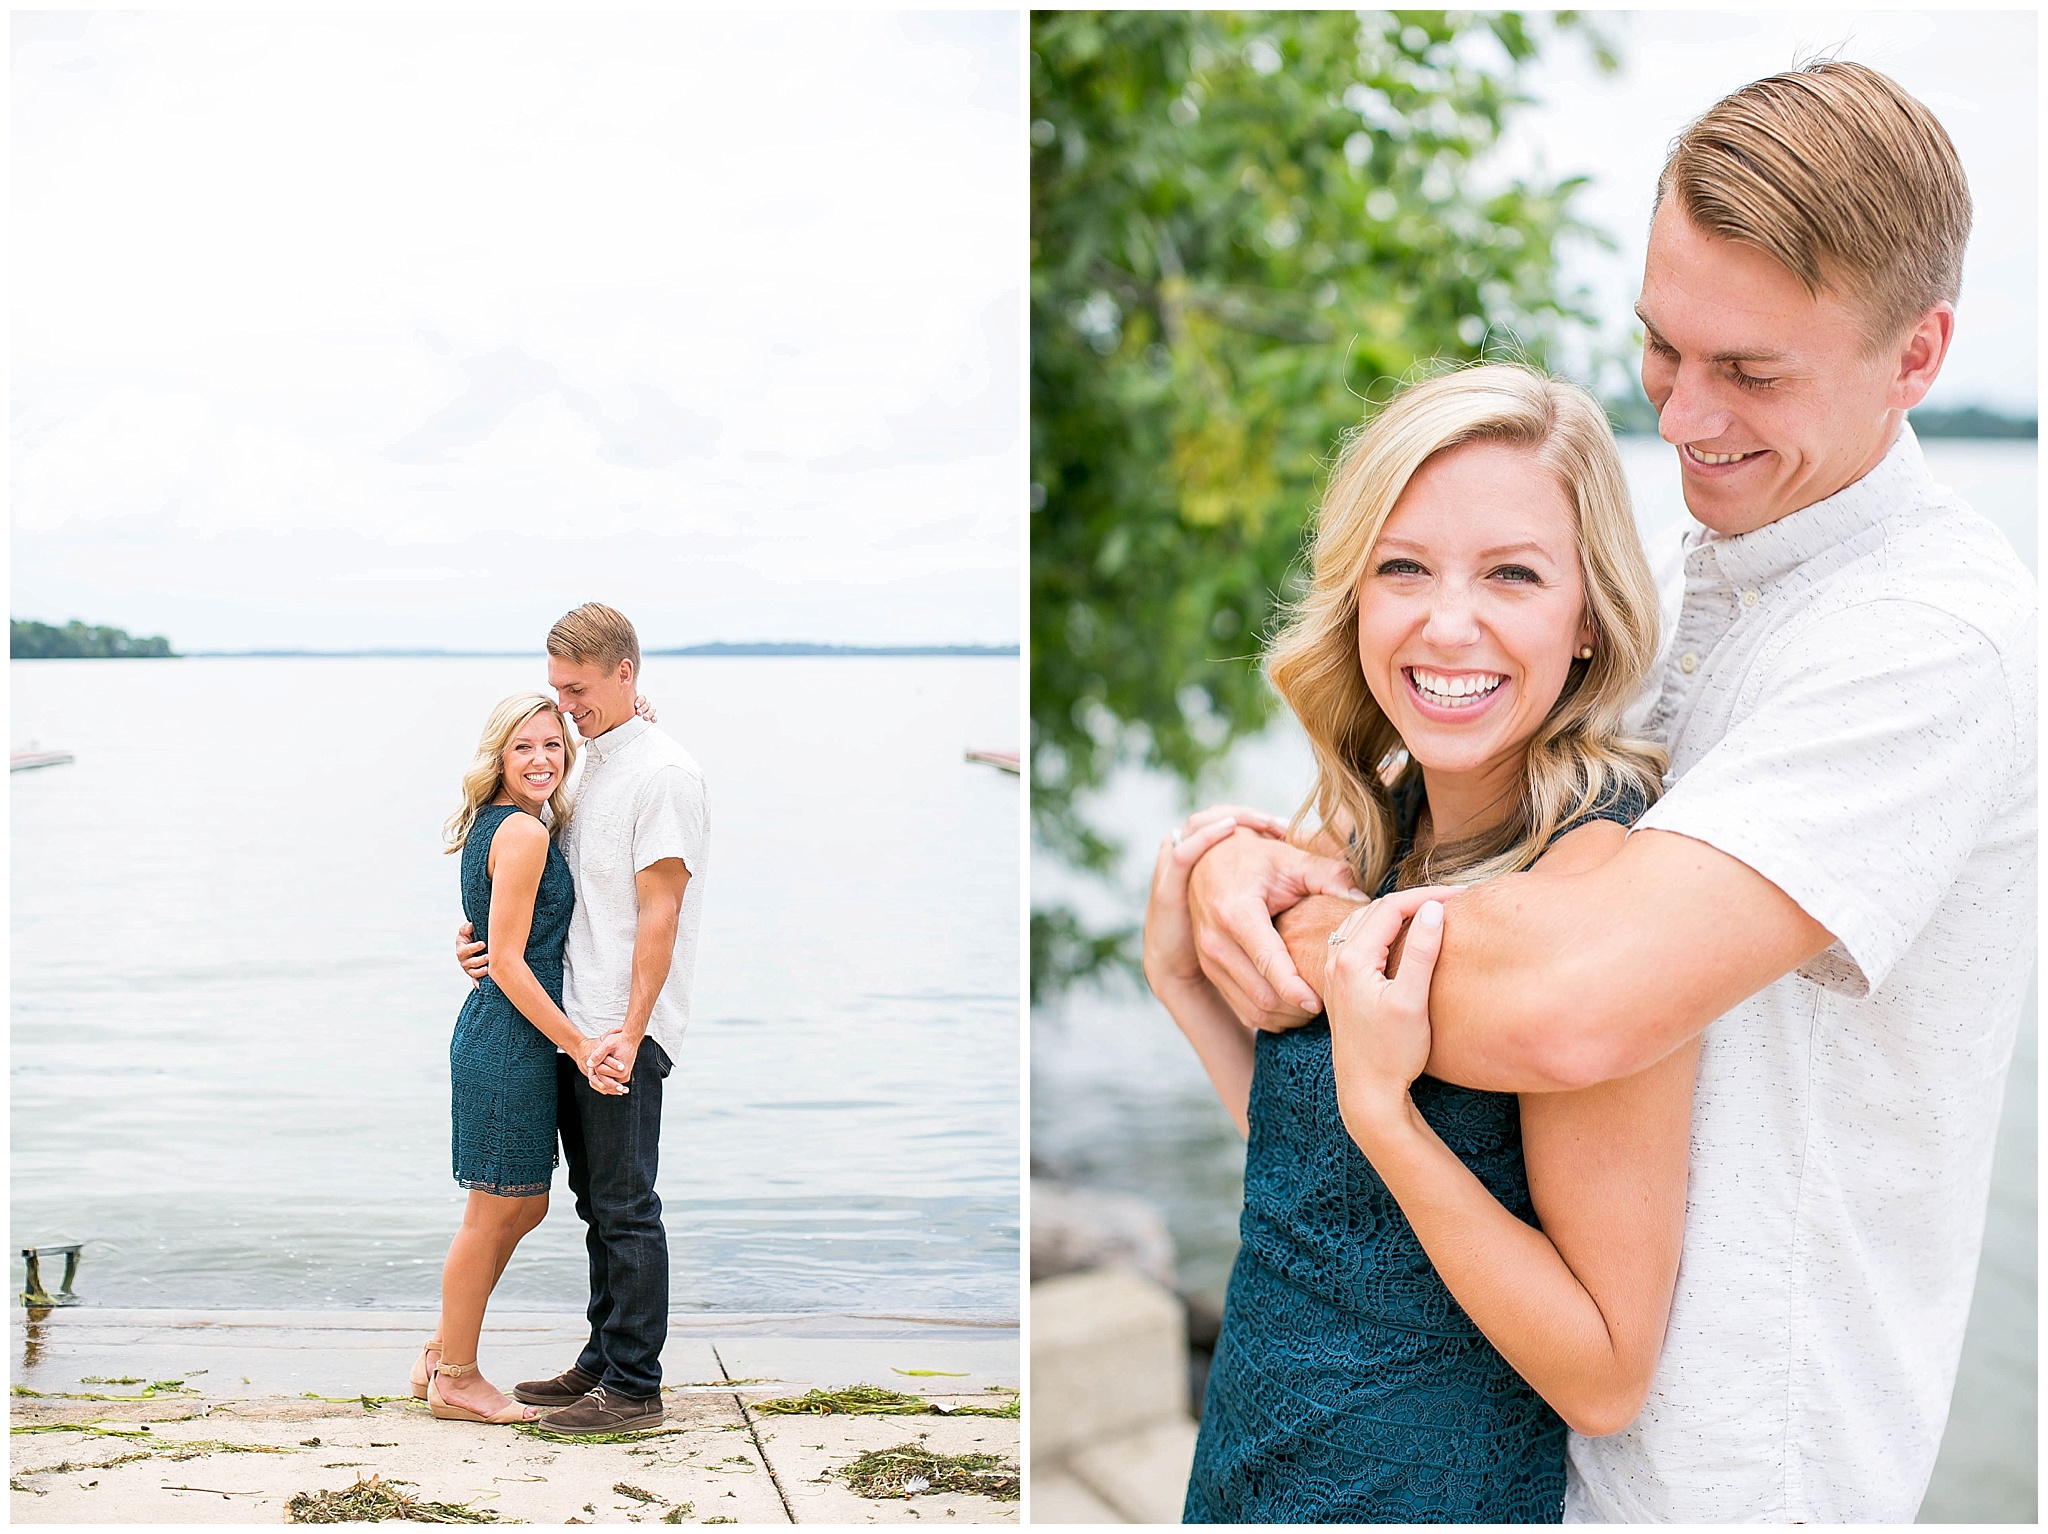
<point>156,1388</point>
<point>873,1401</point>
<point>367,1402</point>
<point>912,1469</point>
<point>378,1501</point>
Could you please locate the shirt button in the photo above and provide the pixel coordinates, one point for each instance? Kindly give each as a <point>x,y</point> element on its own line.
<point>1688,663</point>
<point>1749,597</point>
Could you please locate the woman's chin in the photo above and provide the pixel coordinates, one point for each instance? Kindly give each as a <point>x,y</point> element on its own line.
<point>1449,755</point>
<point>1446,764</point>
<point>1446,748</point>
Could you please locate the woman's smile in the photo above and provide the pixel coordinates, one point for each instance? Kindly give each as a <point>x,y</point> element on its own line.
<point>1457,694</point>
<point>1470,613</point>
<point>533,762</point>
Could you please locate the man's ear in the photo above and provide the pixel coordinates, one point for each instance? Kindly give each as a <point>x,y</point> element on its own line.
<point>628,673</point>
<point>1920,358</point>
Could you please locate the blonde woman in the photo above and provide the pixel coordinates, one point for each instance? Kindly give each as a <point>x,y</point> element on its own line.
<point>501,1063</point>
<point>1434,1281</point>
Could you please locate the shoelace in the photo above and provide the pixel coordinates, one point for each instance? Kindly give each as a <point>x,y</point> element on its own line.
<point>604,1401</point>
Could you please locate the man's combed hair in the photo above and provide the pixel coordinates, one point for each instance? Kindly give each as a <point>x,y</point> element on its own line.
<point>1840,176</point>
<point>595,635</point>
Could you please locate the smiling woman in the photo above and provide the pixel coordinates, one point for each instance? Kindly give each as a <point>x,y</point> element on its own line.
<point>1479,529</point>
<point>1398,1344</point>
<point>516,724</point>
<point>356,347</point>
<point>1473,611</point>
<point>1829,905</point>
<point>501,1059</point>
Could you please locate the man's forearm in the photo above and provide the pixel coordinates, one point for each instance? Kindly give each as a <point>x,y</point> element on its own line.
<point>1306,929</point>
<point>654,949</point>
<point>1551,983</point>
<point>1494,1005</point>
<point>1476,1042</point>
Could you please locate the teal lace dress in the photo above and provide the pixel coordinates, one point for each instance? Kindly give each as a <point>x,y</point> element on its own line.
<point>501,1068</point>
<point>1348,1386</point>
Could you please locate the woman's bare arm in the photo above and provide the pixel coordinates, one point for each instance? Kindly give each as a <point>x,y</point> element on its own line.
<point>1226,1048</point>
<point>1579,1306</point>
<point>1221,1043</point>
<point>1607,1174</point>
<point>518,856</point>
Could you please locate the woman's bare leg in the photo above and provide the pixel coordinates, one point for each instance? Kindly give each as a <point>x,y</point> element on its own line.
<point>492,1226</point>
<point>537,1212</point>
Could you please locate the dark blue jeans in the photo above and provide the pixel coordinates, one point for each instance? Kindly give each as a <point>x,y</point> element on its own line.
<point>613,1147</point>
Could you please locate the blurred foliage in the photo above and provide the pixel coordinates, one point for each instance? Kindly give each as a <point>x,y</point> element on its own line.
<point>28,640</point>
<point>1242,225</point>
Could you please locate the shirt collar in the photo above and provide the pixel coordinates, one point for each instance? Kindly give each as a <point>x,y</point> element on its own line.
<point>1898,483</point>
<point>605,746</point>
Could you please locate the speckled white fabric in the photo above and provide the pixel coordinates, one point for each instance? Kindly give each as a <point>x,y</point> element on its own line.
<point>639,799</point>
<point>1849,698</point>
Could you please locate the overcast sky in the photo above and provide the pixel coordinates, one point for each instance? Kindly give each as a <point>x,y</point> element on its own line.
<point>1976,71</point>
<point>385,329</point>
<point>398,329</point>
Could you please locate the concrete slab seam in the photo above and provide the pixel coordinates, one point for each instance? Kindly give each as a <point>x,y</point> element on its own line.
<point>754,1432</point>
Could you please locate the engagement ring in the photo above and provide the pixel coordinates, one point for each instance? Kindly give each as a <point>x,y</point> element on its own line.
<point>1176,836</point>
<point>1337,939</point>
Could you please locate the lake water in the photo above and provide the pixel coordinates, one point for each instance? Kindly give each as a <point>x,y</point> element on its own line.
<point>1118,1100</point>
<point>233,985</point>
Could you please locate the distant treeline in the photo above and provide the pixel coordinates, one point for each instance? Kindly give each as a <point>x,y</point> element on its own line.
<point>29,640</point>
<point>719,648</point>
<point>1972,422</point>
<point>775,647</point>
<point>1634,415</point>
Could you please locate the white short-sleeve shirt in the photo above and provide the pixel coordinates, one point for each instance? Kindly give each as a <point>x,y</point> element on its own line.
<point>639,799</point>
<point>1849,700</point>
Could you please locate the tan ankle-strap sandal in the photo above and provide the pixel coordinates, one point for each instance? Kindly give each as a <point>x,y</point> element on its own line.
<point>447,1412</point>
<point>422,1370</point>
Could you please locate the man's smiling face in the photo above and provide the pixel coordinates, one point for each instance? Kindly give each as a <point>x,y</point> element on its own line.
<point>1771,394</point>
<point>597,700</point>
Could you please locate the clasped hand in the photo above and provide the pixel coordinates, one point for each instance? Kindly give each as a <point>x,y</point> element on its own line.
<point>1378,1002</point>
<point>608,1063</point>
<point>1214,898</point>
<point>1229,889</point>
<point>1172,963</point>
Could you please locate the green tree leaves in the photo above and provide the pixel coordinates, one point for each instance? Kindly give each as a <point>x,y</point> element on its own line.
<point>1244,225</point>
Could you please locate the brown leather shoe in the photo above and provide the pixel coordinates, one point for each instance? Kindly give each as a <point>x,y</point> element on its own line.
<point>565,1389</point>
<point>605,1411</point>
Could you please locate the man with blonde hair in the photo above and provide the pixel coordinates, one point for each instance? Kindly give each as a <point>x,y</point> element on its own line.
<point>1838,884</point>
<point>636,844</point>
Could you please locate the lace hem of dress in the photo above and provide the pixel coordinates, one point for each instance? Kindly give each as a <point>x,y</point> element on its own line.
<point>504,1190</point>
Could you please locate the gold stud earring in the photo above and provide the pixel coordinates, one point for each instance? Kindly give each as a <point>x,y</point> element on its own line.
<point>1585,652</point>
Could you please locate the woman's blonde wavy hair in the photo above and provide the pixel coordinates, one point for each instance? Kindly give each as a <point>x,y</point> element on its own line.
<point>486,774</point>
<point>1580,754</point>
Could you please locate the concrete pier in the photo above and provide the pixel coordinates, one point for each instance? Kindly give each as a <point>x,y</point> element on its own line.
<point>1111,1438</point>
<point>141,1416</point>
